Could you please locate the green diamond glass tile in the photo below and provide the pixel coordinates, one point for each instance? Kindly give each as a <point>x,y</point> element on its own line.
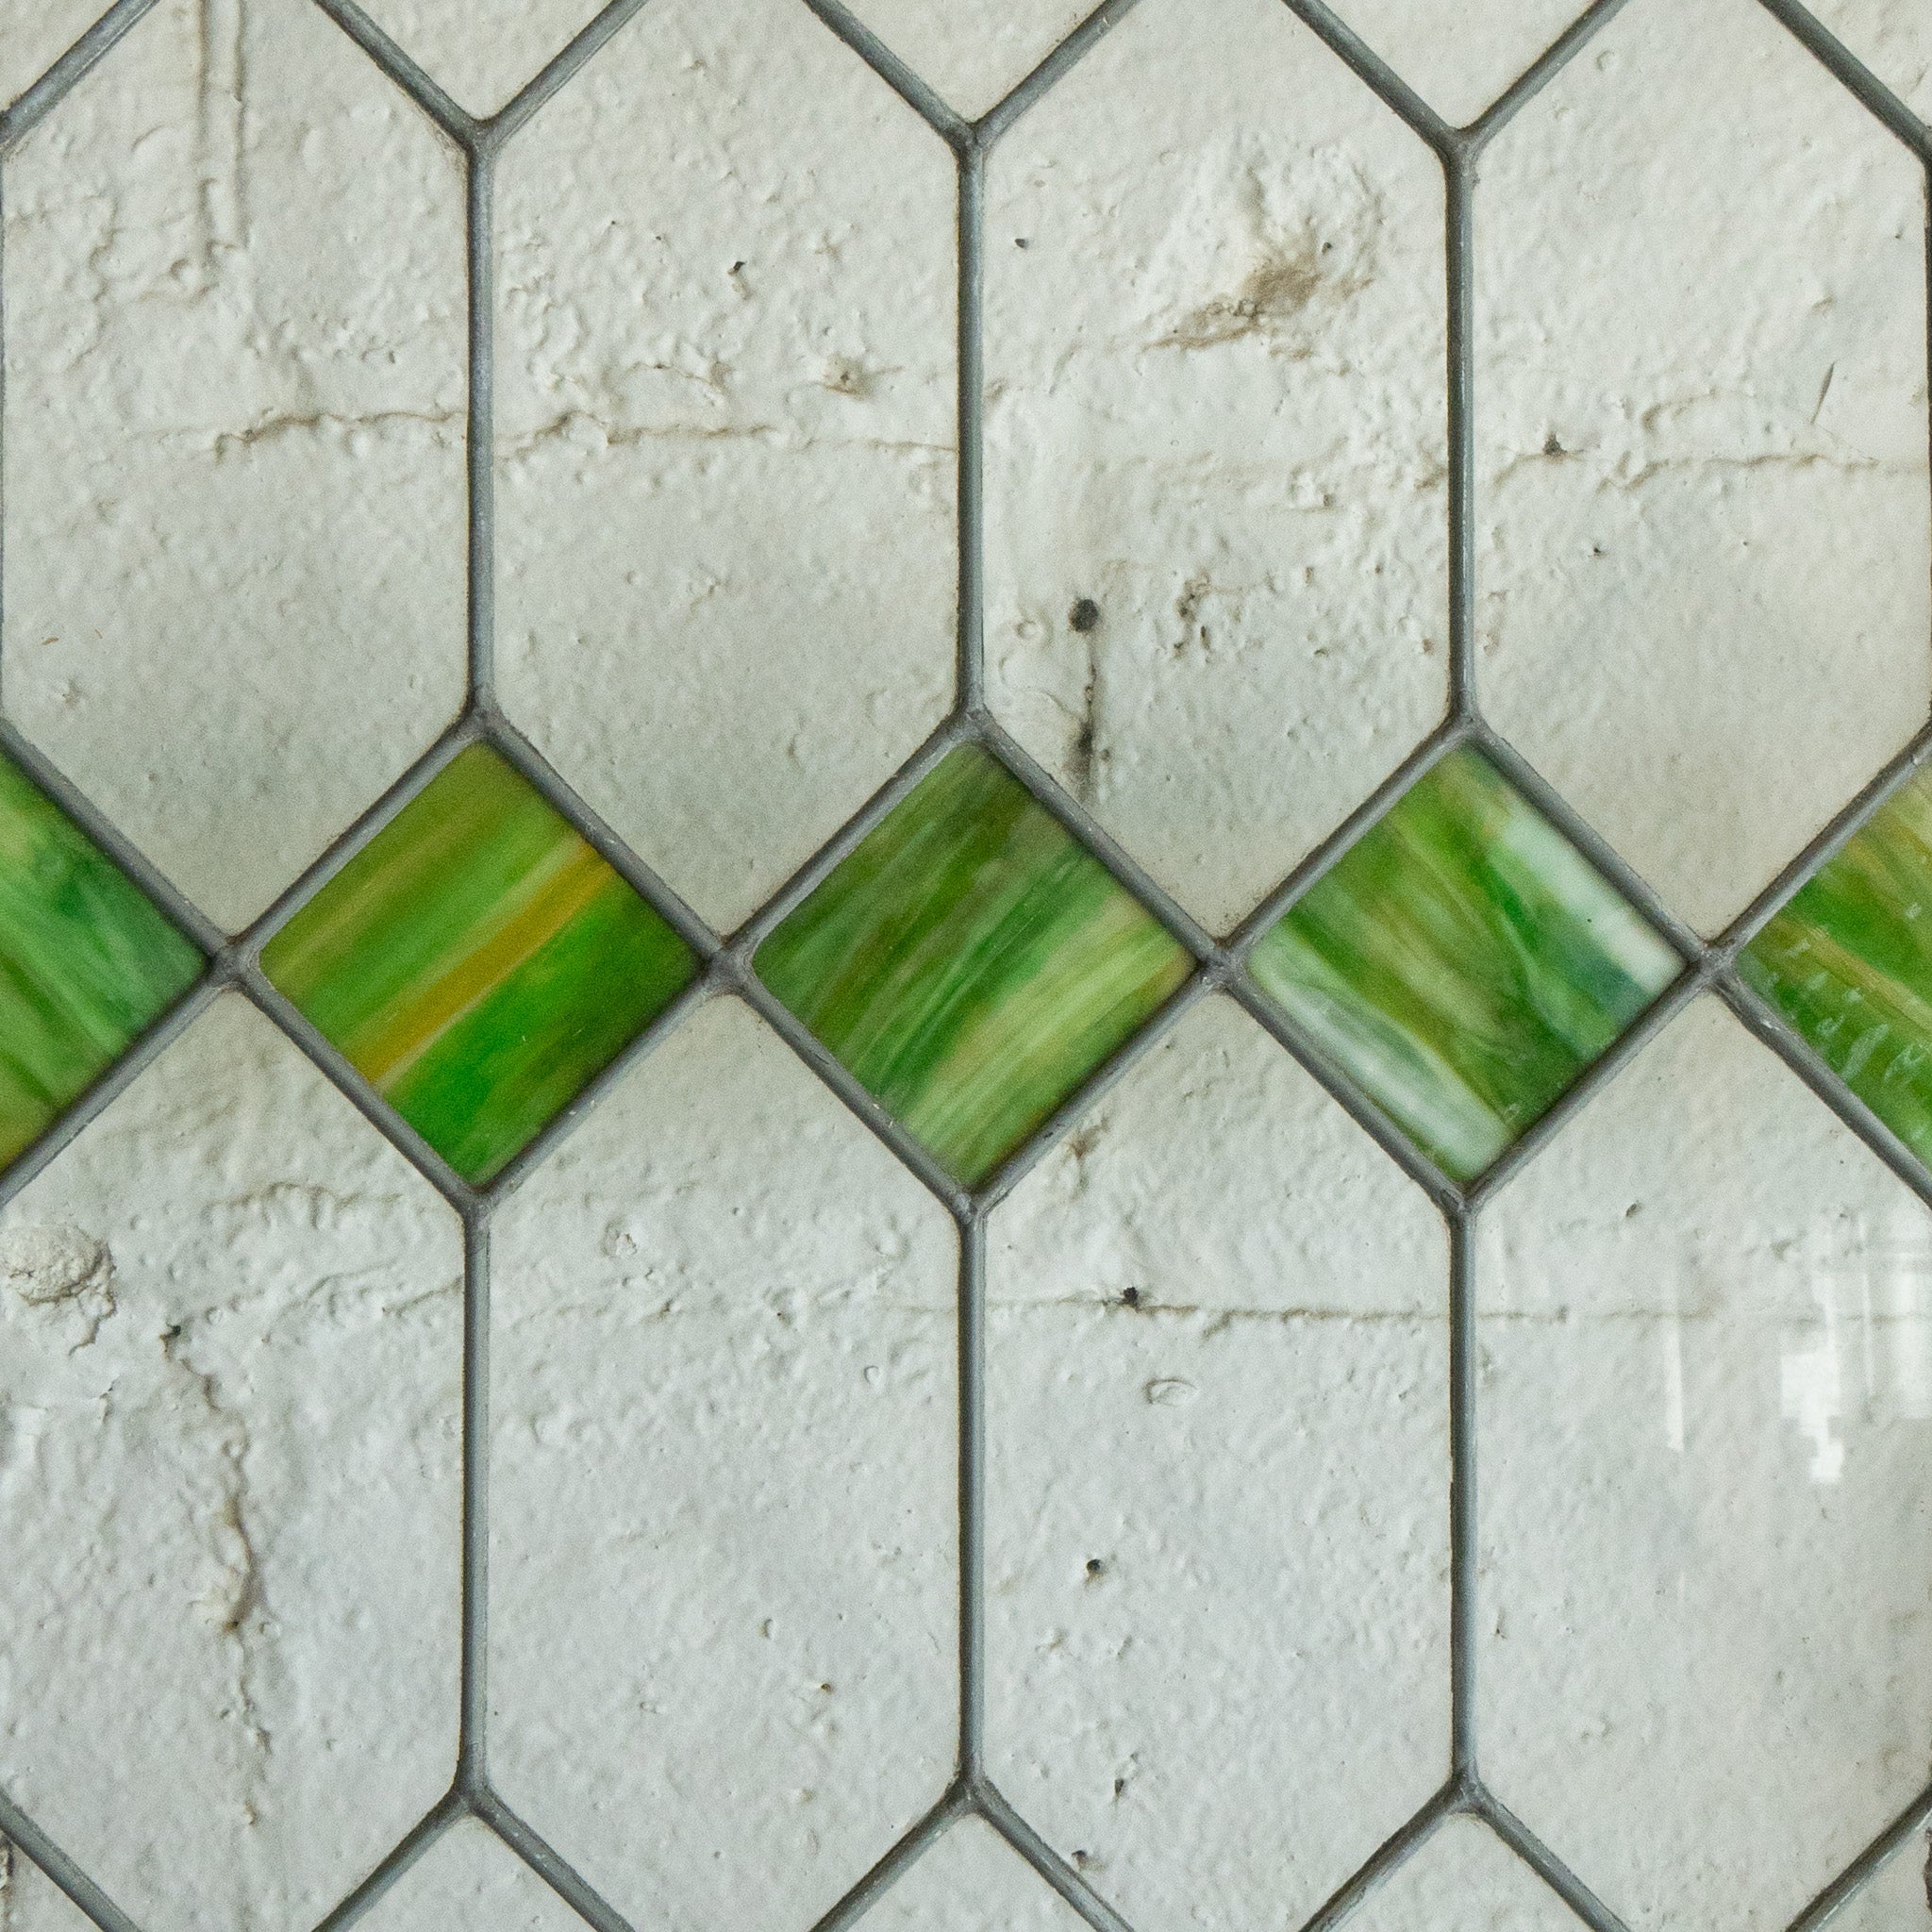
<point>1849,962</point>
<point>1464,963</point>
<point>87,961</point>
<point>478,962</point>
<point>969,963</point>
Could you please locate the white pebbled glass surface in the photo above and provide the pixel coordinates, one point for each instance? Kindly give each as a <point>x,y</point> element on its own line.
<point>965,967</point>
<point>1190,1382</point>
<point>722,1378</point>
<point>234,421</point>
<point>1704,1326</point>
<point>1660,631</point>
<point>728,579</point>
<point>1220,669</point>
<point>233,1368</point>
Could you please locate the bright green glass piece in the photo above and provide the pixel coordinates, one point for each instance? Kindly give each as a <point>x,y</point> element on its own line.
<point>478,962</point>
<point>87,961</point>
<point>1463,962</point>
<point>1849,962</point>
<point>969,963</point>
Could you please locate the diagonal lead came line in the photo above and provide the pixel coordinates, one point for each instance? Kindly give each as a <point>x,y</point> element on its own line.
<point>991,1805</point>
<point>895,1865</point>
<point>1853,76</point>
<point>1771,1027</point>
<point>543,1858</point>
<point>917,94</point>
<point>1374,73</point>
<point>61,1870</point>
<point>1545,1864</point>
<point>369,1891</point>
<point>87,1107</point>
<point>444,110</point>
<point>1051,71</point>
<point>562,67</point>
<point>1910,1823</point>
<point>33,106</point>
<point>1394,1852</point>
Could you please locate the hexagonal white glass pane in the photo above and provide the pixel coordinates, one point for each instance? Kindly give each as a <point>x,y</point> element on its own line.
<point>726,440</point>
<point>1704,544</point>
<point>233,1322</point>
<point>1217,1429</point>
<point>234,418</point>
<point>722,1489</point>
<point>1215,461</point>
<point>1705,1329</point>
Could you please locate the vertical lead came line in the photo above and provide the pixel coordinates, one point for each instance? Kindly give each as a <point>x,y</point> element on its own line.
<point>480,443</point>
<point>968,698</point>
<point>1458,175</point>
<point>971,1319</point>
<point>1459,170</point>
<point>1463,1519</point>
<point>475,1503</point>
<point>480,458</point>
<point>971,687</point>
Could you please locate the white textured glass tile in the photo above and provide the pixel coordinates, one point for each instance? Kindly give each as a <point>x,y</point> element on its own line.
<point>1215,529</point>
<point>1217,1424</point>
<point>724,1489</point>
<point>1704,546</point>
<point>233,1344</point>
<point>234,419</point>
<point>1706,1398</point>
<point>726,436</point>
<point>965,967</point>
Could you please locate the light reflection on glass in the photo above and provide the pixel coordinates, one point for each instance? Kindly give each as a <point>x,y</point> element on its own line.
<point>1866,1355</point>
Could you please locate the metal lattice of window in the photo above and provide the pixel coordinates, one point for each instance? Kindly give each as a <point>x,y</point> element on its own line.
<point>965,967</point>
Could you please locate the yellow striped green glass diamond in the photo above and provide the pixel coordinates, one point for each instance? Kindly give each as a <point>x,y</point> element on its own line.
<point>969,963</point>
<point>478,962</point>
<point>1849,962</point>
<point>1464,963</point>
<point>87,961</point>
